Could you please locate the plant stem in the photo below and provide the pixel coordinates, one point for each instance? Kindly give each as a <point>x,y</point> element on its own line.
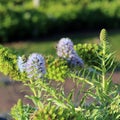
<point>38,103</point>
<point>33,90</point>
<point>103,66</point>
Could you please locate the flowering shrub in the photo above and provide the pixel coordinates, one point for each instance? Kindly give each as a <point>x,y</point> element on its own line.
<point>90,82</point>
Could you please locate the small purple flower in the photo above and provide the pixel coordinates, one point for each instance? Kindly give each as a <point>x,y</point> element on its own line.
<point>35,67</point>
<point>64,48</point>
<point>21,64</point>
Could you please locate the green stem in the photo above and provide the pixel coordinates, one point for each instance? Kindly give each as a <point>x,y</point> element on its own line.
<point>33,90</point>
<point>83,80</point>
<point>38,104</point>
<point>103,82</point>
<point>104,67</point>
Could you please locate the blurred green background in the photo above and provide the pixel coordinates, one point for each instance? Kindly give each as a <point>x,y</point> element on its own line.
<point>35,25</point>
<point>23,19</point>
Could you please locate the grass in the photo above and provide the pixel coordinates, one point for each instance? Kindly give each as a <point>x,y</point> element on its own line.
<point>44,48</point>
<point>48,46</point>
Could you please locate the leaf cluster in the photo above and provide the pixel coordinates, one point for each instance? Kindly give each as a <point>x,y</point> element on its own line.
<point>20,111</point>
<point>8,63</point>
<point>57,69</point>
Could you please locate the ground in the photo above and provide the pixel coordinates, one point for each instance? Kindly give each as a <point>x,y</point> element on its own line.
<point>10,92</point>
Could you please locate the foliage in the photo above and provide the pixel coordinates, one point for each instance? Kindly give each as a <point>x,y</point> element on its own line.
<point>50,112</point>
<point>88,52</point>
<point>24,21</point>
<point>94,82</point>
<point>21,112</point>
<point>54,67</point>
<point>8,64</point>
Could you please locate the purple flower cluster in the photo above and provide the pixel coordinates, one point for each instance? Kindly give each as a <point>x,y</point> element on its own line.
<point>65,50</point>
<point>76,60</point>
<point>34,67</point>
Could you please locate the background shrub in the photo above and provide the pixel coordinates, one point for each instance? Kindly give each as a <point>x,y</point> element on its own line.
<point>19,19</point>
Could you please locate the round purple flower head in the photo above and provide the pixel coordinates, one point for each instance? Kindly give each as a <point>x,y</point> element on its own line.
<point>21,63</point>
<point>35,67</point>
<point>64,48</point>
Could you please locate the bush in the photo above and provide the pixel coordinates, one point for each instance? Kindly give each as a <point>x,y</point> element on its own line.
<point>50,101</point>
<point>22,23</point>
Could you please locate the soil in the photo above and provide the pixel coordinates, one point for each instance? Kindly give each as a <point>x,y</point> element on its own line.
<point>10,92</point>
